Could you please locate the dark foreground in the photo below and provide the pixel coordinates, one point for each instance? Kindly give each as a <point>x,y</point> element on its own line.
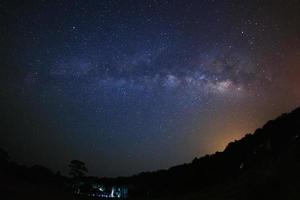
<point>262,165</point>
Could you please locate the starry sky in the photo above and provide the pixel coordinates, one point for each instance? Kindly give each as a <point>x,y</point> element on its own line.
<point>134,85</point>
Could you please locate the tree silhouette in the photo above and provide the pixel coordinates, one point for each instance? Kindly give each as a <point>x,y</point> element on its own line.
<point>77,168</point>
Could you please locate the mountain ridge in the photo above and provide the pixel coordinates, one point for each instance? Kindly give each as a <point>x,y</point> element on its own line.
<point>259,154</point>
<point>261,165</point>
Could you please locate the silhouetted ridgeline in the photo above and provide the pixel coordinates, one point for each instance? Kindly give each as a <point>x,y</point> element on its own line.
<point>262,165</point>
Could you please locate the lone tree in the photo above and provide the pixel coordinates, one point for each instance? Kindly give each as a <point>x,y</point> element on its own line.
<point>77,168</point>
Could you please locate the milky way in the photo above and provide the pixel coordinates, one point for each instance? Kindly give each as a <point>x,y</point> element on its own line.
<point>129,86</point>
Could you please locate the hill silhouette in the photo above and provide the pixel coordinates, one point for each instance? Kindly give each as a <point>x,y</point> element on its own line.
<point>262,165</point>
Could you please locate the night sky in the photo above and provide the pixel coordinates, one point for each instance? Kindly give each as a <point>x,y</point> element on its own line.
<point>131,86</point>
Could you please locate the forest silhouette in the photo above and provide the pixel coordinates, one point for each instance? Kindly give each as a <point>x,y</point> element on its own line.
<point>262,165</point>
